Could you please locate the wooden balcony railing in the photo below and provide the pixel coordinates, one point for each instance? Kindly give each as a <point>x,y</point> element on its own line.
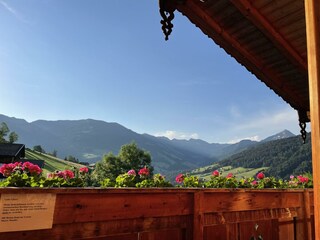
<point>159,214</point>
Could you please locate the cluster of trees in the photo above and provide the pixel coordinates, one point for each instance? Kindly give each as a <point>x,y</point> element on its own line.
<point>71,158</point>
<point>129,157</point>
<point>6,136</point>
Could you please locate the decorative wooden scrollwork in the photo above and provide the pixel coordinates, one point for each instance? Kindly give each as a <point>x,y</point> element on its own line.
<point>166,22</point>
<point>167,8</point>
<point>303,119</point>
<point>303,131</point>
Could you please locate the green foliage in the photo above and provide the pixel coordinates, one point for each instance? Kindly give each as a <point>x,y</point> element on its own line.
<point>191,181</point>
<point>61,182</point>
<point>130,157</point>
<point>224,182</point>
<point>38,148</point>
<point>125,180</point>
<point>157,181</point>
<point>4,131</point>
<point>71,159</point>
<point>18,179</point>
<point>107,183</point>
<point>280,158</point>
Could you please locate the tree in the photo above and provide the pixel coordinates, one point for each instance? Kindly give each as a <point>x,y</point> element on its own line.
<point>13,137</point>
<point>54,153</point>
<point>129,157</point>
<point>4,131</point>
<point>134,158</point>
<point>71,159</point>
<point>38,148</point>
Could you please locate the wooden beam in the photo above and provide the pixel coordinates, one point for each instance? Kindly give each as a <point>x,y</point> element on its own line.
<point>312,13</point>
<point>253,63</point>
<point>256,18</point>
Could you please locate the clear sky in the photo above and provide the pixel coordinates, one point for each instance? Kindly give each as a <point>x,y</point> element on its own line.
<point>108,60</point>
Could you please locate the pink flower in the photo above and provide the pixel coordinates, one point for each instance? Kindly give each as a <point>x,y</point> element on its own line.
<point>132,172</point>
<point>84,170</point>
<point>180,178</point>
<point>216,173</point>
<point>50,175</point>
<point>260,175</point>
<point>144,172</point>
<point>33,169</point>
<point>66,174</point>
<point>8,169</point>
<point>291,177</point>
<point>59,174</point>
<point>254,183</point>
<point>230,175</point>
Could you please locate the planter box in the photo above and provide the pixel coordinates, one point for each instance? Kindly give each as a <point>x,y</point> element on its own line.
<point>228,214</point>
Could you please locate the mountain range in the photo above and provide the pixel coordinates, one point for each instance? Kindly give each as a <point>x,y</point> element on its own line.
<point>88,140</point>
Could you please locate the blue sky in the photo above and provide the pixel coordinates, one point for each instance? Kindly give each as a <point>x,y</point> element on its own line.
<point>107,60</point>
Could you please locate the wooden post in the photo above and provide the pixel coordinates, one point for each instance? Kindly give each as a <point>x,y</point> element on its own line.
<point>313,44</point>
<point>198,216</point>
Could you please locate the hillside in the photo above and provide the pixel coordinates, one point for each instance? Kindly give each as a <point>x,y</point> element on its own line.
<point>51,163</point>
<point>279,158</point>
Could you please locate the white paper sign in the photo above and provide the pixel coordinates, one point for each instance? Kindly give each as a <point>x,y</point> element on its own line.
<point>21,212</point>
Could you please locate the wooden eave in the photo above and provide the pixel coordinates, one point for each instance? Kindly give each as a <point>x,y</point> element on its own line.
<point>267,37</point>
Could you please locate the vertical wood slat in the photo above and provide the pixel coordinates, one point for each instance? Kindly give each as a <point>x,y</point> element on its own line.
<point>198,216</point>
<point>303,223</point>
<point>313,31</point>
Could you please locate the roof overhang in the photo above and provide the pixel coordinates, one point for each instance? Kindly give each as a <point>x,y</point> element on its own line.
<point>267,37</point>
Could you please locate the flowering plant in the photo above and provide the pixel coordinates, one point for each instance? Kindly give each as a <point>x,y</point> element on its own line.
<point>26,174</point>
<point>158,180</point>
<point>218,181</point>
<point>188,181</point>
<point>20,174</point>
<point>300,182</point>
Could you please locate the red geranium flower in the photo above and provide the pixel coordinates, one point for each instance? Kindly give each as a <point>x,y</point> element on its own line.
<point>84,170</point>
<point>230,175</point>
<point>144,172</point>
<point>216,173</point>
<point>260,175</point>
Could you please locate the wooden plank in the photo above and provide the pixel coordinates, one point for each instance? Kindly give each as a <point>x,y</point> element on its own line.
<point>175,234</point>
<point>265,229</point>
<point>241,201</point>
<point>246,8</point>
<point>248,216</point>
<point>103,229</point>
<point>103,206</point>
<point>286,229</point>
<point>227,231</point>
<point>312,13</point>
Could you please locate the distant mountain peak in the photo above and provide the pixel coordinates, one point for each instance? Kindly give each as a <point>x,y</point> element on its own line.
<point>281,135</point>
